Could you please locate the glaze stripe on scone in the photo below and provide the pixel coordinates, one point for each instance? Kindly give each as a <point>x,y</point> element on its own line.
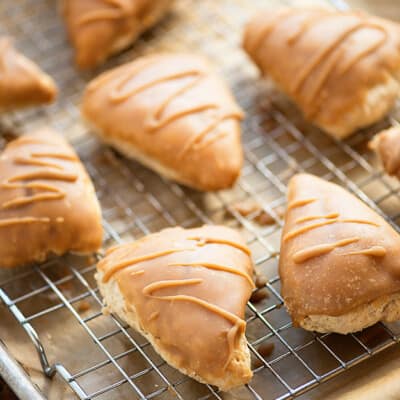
<point>386,144</point>
<point>101,28</point>
<point>173,114</point>
<point>47,201</point>
<point>186,292</point>
<point>344,67</point>
<point>22,83</point>
<point>339,262</point>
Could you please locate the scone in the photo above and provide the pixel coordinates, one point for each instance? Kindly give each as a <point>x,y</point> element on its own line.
<point>386,144</point>
<point>339,262</point>
<point>342,69</point>
<point>22,83</point>
<point>47,201</point>
<point>101,28</point>
<point>186,290</point>
<point>172,113</point>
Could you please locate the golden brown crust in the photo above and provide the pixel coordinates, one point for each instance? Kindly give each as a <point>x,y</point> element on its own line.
<point>172,113</point>
<point>386,144</point>
<point>22,83</point>
<point>47,201</point>
<point>101,28</point>
<point>186,290</point>
<point>336,253</point>
<point>344,68</point>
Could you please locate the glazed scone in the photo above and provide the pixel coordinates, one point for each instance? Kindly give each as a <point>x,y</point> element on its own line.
<point>186,290</point>
<point>47,201</point>
<point>344,67</point>
<point>22,83</point>
<point>339,262</point>
<point>101,28</point>
<point>172,113</point>
<point>386,144</point>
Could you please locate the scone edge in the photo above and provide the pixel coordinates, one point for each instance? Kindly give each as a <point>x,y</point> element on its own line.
<point>238,371</point>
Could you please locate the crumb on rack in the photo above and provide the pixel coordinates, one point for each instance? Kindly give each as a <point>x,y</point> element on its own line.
<point>261,280</point>
<point>83,306</point>
<point>265,350</point>
<point>261,216</point>
<point>259,295</point>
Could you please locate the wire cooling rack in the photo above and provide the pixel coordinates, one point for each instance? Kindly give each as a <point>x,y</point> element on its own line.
<point>58,303</point>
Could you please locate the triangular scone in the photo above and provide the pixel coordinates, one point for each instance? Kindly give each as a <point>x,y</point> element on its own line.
<point>22,83</point>
<point>186,292</point>
<point>386,144</point>
<point>47,201</point>
<point>173,114</point>
<point>342,69</point>
<point>339,262</point>
<point>101,28</point>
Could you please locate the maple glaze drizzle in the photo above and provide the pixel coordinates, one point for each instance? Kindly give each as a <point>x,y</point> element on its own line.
<point>204,240</point>
<point>238,325</point>
<point>344,68</point>
<point>45,174</point>
<point>330,54</point>
<point>306,25</point>
<point>200,241</point>
<point>232,337</point>
<point>300,203</point>
<point>157,120</point>
<point>29,185</point>
<point>24,200</point>
<point>119,11</point>
<point>153,316</point>
<point>268,28</point>
<point>374,251</point>
<point>331,47</point>
<point>135,273</point>
<point>299,231</point>
<point>215,267</point>
<point>47,191</point>
<point>321,249</point>
<point>60,156</point>
<point>323,54</point>
<point>332,62</point>
<point>313,217</point>
<point>112,249</point>
<point>40,163</point>
<point>132,261</point>
<point>22,140</point>
<point>23,220</point>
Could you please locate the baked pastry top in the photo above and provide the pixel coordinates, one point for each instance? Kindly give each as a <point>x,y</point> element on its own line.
<point>341,68</point>
<point>386,144</point>
<point>47,201</point>
<point>172,113</point>
<point>101,28</point>
<point>22,83</point>
<point>186,291</point>
<point>337,255</point>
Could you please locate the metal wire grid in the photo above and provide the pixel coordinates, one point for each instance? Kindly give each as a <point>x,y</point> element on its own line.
<point>136,202</point>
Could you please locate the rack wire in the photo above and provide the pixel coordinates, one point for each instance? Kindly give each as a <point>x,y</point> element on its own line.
<point>136,202</point>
